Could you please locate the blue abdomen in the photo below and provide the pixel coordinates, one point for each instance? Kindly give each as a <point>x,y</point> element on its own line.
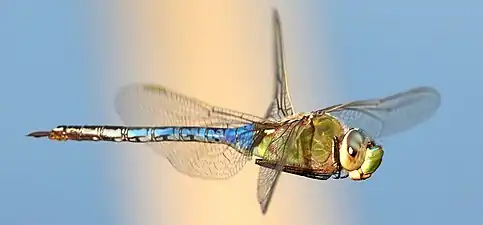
<point>239,137</point>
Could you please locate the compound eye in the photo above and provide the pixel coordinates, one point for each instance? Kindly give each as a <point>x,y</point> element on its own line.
<point>352,150</point>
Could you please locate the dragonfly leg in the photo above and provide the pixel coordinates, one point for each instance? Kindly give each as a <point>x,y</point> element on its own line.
<point>295,170</point>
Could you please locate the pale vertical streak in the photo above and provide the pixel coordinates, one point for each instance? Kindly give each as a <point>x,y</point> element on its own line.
<point>218,51</point>
<point>313,85</point>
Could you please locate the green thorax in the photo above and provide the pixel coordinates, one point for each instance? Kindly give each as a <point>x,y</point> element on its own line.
<point>309,146</point>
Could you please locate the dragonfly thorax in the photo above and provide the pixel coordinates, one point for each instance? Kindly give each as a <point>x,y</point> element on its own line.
<point>359,155</point>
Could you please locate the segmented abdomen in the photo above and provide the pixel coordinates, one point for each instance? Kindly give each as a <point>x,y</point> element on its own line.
<point>240,138</point>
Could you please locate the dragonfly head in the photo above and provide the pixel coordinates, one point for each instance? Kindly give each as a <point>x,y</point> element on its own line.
<point>359,155</point>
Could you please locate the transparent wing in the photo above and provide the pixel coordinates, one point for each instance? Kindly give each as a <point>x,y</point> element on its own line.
<point>267,177</point>
<point>149,105</point>
<point>281,105</point>
<point>390,115</point>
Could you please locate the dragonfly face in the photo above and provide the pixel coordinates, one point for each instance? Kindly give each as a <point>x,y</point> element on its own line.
<point>359,154</point>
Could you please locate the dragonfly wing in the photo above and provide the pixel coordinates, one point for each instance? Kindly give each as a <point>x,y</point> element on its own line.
<point>390,115</point>
<point>211,161</point>
<point>267,181</point>
<point>281,105</point>
<point>268,177</point>
<point>149,105</point>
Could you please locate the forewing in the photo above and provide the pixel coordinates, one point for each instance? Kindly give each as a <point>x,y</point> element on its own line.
<point>267,177</point>
<point>149,105</point>
<point>281,105</point>
<point>390,115</point>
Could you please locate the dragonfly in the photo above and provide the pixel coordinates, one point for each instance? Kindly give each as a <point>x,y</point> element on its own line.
<point>206,141</point>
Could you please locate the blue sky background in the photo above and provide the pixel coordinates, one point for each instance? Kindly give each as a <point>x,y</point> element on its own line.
<point>48,63</point>
<point>50,58</point>
<point>431,174</point>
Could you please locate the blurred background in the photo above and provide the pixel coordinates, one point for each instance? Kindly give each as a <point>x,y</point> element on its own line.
<point>61,62</point>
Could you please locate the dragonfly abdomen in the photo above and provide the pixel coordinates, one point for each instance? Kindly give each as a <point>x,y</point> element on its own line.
<point>238,137</point>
